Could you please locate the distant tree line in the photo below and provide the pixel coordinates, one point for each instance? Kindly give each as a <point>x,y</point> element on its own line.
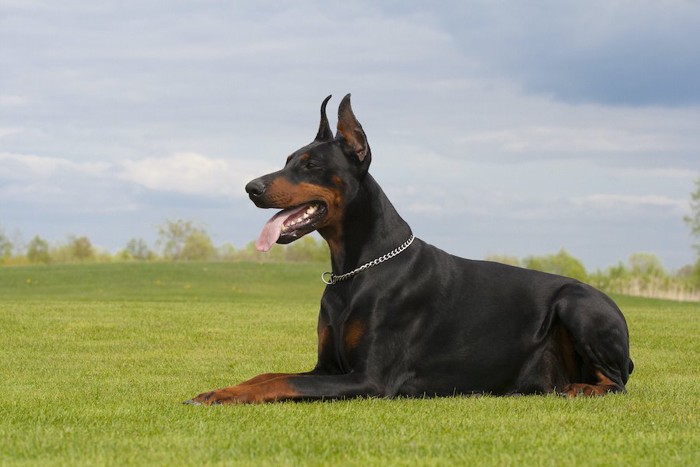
<point>642,275</point>
<point>178,240</point>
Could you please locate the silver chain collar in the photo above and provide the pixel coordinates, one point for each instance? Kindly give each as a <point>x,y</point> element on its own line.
<point>329,278</point>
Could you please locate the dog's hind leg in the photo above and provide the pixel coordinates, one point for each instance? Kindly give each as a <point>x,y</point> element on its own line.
<point>599,339</point>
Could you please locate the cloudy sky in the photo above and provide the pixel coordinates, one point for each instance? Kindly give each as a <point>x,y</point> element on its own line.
<point>496,127</point>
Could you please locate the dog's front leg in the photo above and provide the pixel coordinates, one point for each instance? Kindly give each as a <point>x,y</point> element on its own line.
<point>280,387</point>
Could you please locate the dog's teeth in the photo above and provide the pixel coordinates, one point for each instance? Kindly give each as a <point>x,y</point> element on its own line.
<point>293,222</point>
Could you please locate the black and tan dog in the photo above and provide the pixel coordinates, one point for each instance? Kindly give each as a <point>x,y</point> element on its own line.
<point>400,317</point>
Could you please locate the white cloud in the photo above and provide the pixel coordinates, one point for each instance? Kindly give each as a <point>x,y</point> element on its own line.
<point>654,174</point>
<point>10,131</point>
<point>24,176</point>
<point>29,181</point>
<point>561,139</point>
<point>427,208</point>
<point>194,174</point>
<point>31,167</point>
<point>10,100</point>
<point>615,201</point>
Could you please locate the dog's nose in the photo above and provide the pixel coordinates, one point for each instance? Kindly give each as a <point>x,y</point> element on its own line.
<point>255,188</point>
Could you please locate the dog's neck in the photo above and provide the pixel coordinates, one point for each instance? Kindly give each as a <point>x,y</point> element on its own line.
<point>371,228</point>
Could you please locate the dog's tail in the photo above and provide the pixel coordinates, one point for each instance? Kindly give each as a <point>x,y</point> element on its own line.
<point>630,366</point>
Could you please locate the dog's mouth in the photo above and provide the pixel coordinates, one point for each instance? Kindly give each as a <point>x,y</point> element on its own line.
<point>291,224</point>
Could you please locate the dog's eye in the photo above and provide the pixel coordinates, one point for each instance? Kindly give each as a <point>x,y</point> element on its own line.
<point>311,165</point>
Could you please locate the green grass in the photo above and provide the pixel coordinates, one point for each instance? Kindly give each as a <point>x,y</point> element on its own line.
<point>95,361</point>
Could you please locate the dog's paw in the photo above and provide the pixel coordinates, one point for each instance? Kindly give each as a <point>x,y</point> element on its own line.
<point>230,395</point>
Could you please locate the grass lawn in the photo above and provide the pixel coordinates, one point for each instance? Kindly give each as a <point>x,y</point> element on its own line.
<point>95,361</point>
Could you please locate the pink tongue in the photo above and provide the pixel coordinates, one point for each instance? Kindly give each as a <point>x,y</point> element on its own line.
<point>273,229</point>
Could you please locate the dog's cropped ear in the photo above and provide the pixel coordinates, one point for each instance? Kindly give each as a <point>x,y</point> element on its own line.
<point>324,129</point>
<point>350,132</point>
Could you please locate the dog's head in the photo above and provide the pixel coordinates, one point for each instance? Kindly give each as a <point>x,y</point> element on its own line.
<point>316,183</point>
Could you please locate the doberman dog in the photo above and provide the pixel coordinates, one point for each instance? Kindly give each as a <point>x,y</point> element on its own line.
<point>400,317</point>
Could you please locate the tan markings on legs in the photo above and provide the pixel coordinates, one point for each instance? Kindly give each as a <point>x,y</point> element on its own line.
<point>602,387</point>
<point>268,390</point>
<point>352,334</point>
